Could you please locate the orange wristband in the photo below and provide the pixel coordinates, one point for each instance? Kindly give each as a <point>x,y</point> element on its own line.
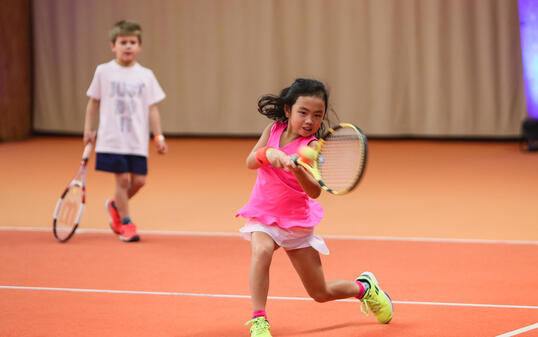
<point>261,155</point>
<point>158,138</point>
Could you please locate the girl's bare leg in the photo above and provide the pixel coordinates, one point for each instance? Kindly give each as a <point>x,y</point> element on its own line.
<point>307,263</point>
<point>263,248</point>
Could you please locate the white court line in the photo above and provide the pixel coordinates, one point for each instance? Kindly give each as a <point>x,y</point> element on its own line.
<point>342,237</point>
<point>519,331</point>
<point>136,292</point>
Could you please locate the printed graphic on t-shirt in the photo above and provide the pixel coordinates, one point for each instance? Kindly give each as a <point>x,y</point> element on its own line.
<point>124,94</point>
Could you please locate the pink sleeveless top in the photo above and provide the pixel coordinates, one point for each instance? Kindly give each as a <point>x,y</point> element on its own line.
<point>277,197</point>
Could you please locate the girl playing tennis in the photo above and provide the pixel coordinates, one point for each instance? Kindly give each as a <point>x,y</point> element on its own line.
<point>281,211</point>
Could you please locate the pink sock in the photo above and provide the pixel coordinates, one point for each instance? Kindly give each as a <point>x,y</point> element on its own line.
<point>259,313</point>
<point>361,291</point>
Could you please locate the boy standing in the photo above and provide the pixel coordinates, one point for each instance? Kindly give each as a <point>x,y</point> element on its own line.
<point>125,95</point>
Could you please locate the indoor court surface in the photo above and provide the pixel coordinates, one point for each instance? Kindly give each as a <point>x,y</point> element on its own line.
<point>450,229</point>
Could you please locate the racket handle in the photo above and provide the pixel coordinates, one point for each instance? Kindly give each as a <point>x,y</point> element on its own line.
<point>87,151</point>
<point>294,158</point>
<point>298,160</point>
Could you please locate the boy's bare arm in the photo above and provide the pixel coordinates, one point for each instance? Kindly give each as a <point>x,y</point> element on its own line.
<point>90,121</point>
<point>156,129</point>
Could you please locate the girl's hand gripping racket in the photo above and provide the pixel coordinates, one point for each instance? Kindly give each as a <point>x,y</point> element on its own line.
<point>339,160</point>
<point>70,206</point>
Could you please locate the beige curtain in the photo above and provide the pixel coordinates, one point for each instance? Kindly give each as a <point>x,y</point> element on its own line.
<point>394,67</point>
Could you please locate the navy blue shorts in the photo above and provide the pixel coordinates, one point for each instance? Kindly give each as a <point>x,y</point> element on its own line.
<point>121,163</point>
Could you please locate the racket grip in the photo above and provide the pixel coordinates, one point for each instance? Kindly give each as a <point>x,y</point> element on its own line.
<point>87,151</point>
<point>298,160</point>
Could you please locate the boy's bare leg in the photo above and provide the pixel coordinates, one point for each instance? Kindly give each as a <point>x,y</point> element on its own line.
<point>135,184</point>
<point>121,196</point>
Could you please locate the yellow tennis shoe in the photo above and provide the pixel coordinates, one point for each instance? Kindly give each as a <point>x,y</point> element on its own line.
<point>375,299</point>
<point>259,327</point>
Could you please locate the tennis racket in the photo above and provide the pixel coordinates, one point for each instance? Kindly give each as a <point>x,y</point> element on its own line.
<point>70,206</point>
<point>339,160</point>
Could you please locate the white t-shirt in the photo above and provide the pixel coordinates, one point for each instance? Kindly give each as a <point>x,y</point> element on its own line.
<point>125,95</point>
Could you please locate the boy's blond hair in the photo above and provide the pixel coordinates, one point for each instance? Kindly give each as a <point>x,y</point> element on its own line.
<point>125,27</point>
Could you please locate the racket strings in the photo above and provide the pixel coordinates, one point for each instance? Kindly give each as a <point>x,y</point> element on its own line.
<point>343,155</point>
<point>69,211</point>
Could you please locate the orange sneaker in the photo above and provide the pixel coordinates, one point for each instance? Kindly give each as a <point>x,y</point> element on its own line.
<point>115,220</point>
<point>128,233</point>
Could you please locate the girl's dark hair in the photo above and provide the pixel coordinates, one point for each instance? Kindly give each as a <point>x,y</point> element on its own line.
<point>272,106</point>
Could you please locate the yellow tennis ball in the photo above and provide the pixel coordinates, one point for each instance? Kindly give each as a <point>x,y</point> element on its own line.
<point>308,153</point>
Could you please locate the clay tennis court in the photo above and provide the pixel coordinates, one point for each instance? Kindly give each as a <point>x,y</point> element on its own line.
<point>449,228</point>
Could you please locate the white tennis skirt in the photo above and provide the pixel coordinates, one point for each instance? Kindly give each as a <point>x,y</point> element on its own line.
<point>289,238</point>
